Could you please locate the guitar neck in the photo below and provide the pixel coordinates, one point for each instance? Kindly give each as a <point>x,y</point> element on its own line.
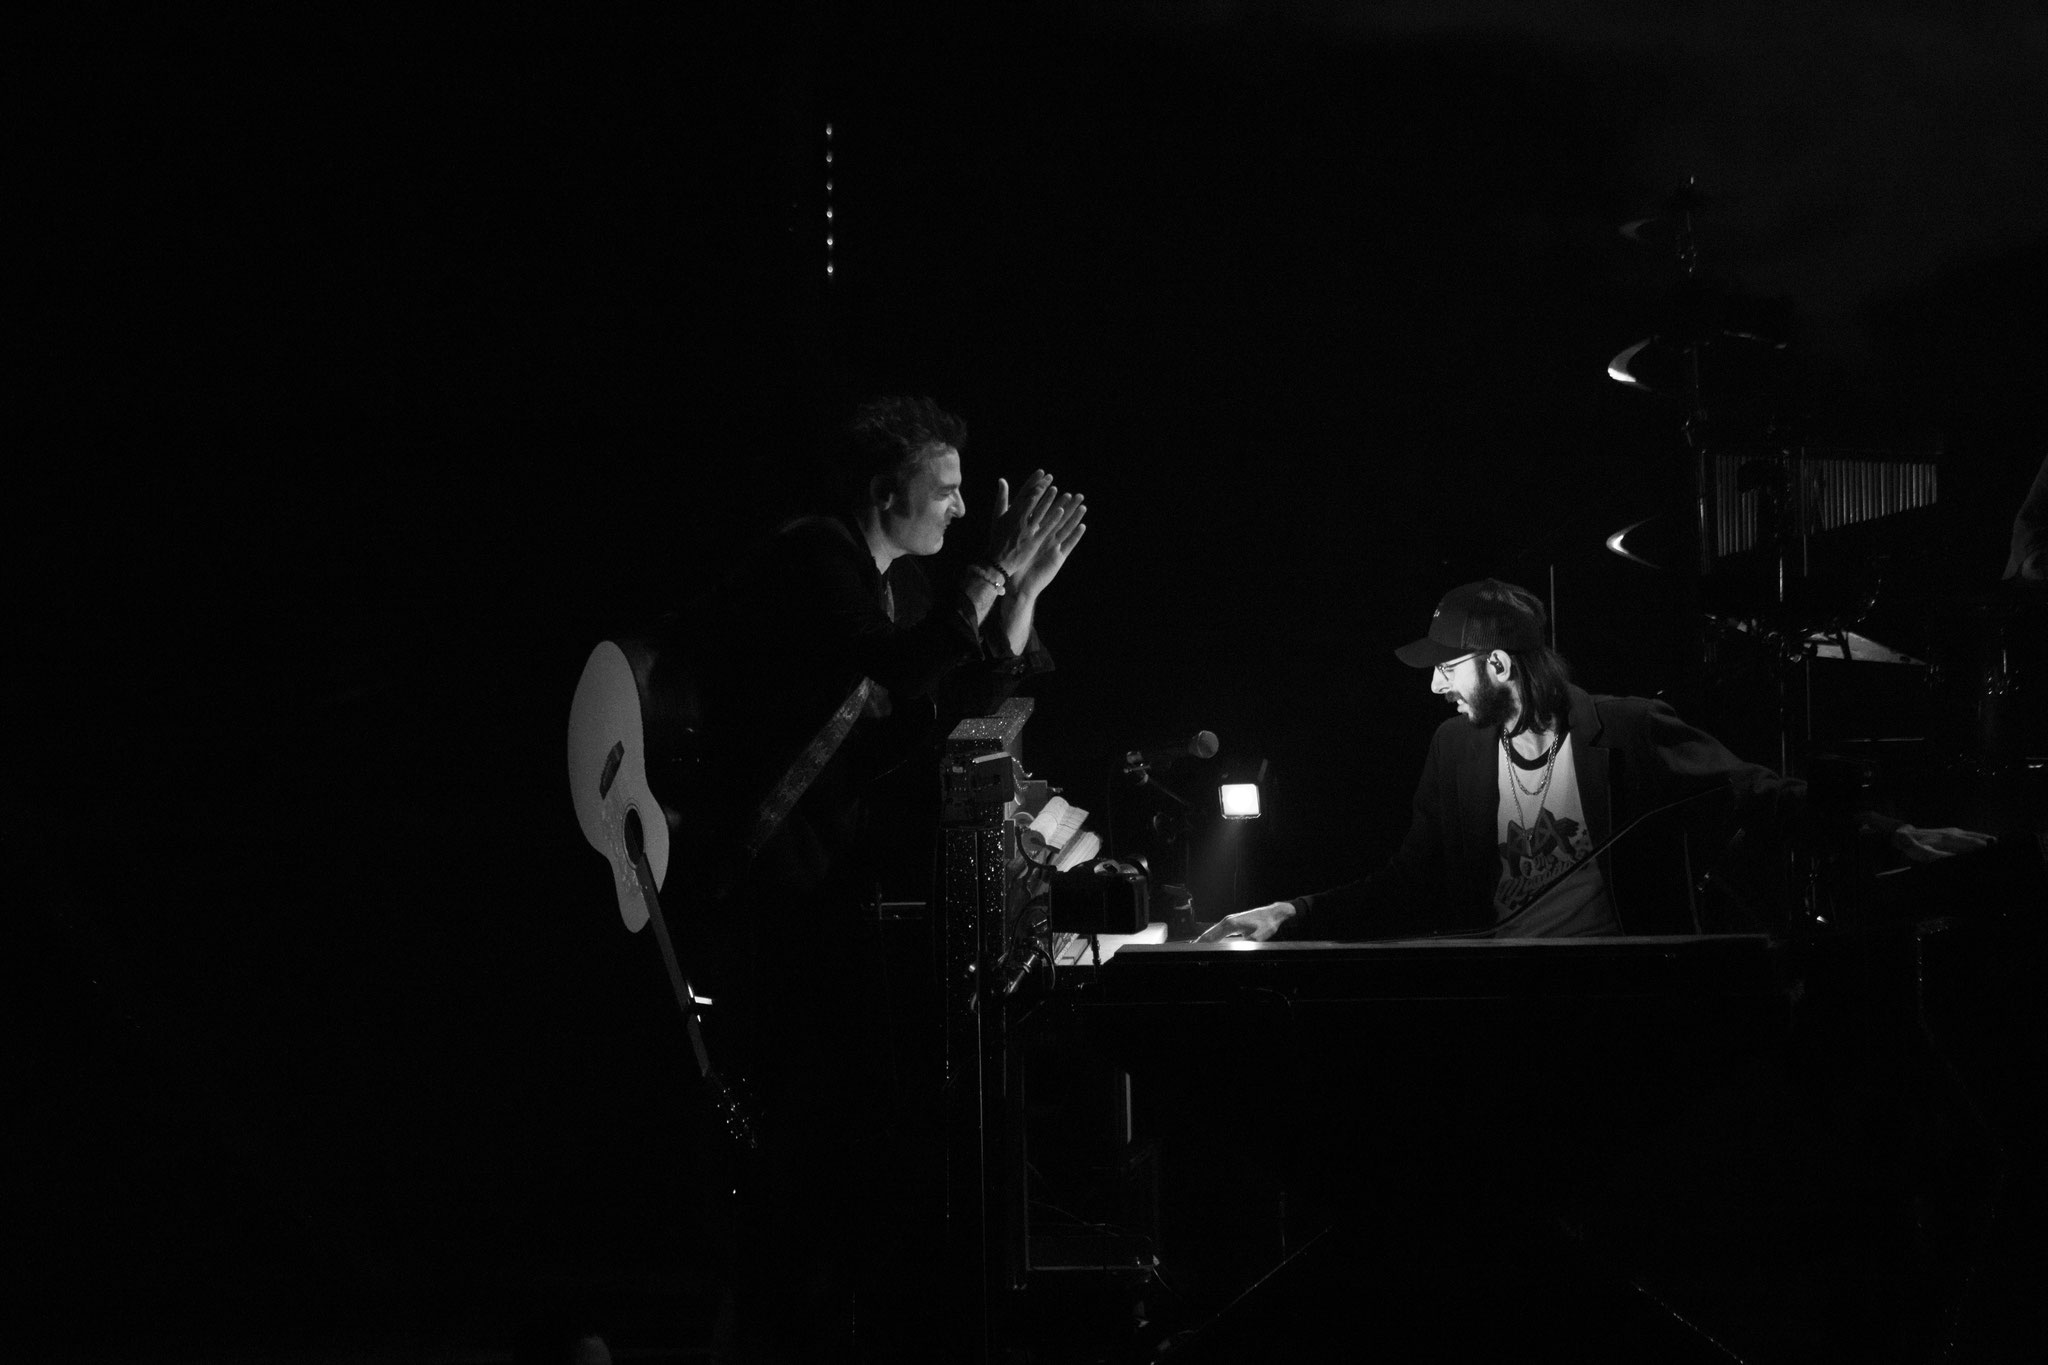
<point>686,999</point>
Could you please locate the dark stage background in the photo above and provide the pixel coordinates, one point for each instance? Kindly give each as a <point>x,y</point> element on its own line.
<point>380,364</point>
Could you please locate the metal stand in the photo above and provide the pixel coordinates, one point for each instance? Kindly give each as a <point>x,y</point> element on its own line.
<point>983,1215</point>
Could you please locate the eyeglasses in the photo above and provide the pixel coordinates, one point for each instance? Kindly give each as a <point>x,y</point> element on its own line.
<point>1449,664</point>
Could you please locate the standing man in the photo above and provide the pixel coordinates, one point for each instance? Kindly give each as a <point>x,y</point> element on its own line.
<point>829,662</point>
<point>830,658</point>
<point>1531,777</point>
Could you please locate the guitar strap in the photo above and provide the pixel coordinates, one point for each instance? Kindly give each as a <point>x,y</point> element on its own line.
<point>811,760</point>
<point>782,798</point>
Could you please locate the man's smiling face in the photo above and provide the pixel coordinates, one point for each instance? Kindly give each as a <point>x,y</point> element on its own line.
<point>915,517</point>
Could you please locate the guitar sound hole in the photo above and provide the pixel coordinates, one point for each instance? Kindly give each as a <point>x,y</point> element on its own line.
<point>636,838</point>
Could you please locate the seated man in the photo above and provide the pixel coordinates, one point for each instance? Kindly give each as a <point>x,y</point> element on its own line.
<point>1536,776</point>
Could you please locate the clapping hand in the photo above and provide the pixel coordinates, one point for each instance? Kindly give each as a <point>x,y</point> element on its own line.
<point>1031,540</point>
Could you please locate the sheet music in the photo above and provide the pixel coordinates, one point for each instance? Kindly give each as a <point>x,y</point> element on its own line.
<point>1058,821</point>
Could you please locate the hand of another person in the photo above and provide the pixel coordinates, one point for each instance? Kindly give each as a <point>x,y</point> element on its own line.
<point>1931,845</point>
<point>1258,924</point>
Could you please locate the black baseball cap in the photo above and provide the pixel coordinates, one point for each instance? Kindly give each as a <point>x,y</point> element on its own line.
<point>1476,619</point>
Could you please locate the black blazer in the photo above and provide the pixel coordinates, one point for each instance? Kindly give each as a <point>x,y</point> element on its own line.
<point>1633,754</point>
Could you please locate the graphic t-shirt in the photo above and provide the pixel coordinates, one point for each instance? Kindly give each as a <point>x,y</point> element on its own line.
<point>1539,836</point>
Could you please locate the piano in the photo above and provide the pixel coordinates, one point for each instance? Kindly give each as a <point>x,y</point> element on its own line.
<point>1245,1140</point>
<point>1748,966</point>
<point>1618,1131</point>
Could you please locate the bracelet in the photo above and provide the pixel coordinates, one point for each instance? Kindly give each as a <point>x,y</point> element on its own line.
<point>993,575</point>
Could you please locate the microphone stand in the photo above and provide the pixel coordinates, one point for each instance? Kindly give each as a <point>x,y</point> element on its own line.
<point>1143,772</point>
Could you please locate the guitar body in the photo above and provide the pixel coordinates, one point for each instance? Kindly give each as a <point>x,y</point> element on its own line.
<point>608,777</point>
<point>625,822</point>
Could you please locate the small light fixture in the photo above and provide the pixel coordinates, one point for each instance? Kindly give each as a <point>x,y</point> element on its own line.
<point>1240,800</point>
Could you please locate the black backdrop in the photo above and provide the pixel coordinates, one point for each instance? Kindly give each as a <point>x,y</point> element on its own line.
<point>377,366</point>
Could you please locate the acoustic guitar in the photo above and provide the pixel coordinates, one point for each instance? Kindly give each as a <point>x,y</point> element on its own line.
<point>624,822</point>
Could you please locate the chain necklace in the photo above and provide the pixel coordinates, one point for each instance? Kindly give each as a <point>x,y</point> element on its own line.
<point>1514,775</point>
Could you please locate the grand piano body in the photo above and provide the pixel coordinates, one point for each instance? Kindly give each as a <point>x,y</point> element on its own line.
<point>1649,1147</point>
<point>1290,1086</point>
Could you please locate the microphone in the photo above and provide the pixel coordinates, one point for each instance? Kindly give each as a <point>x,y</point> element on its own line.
<point>1201,744</point>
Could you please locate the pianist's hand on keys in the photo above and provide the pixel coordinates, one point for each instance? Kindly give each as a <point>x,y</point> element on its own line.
<point>1258,924</point>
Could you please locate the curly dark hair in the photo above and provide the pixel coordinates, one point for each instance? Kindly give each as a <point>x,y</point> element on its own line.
<point>885,439</point>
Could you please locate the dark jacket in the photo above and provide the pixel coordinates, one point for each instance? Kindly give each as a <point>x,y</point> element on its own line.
<point>779,646</point>
<point>1633,755</point>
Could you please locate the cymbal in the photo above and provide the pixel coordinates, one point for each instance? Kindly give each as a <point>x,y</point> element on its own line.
<point>1659,542</point>
<point>1861,648</point>
<point>2001,594</point>
<point>1823,644</point>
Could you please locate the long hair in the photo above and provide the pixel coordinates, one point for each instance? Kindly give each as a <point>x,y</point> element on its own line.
<point>1507,612</point>
<point>1546,688</point>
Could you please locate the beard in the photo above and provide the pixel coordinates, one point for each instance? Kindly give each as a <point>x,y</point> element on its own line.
<point>1490,702</point>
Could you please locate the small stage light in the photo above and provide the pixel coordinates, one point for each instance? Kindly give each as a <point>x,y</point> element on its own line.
<point>1240,800</point>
